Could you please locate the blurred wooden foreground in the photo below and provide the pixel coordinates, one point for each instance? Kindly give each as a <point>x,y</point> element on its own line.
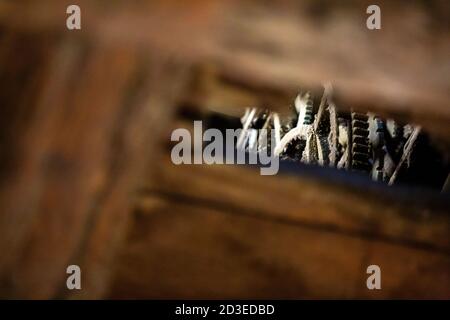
<point>86,179</point>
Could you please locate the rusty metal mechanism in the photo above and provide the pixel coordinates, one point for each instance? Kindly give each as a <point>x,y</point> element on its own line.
<point>385,150</point>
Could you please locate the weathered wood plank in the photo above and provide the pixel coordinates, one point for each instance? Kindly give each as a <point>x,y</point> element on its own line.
<point>28,144</point>
<point>149,110</point>
<point>83,115</point>
<point>195,251</point>
<point>69,150</point>
<point>400,70</point>
<point>306,200</point>
<point>80,148</point>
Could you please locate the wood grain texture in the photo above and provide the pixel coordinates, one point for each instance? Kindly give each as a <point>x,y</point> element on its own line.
<point>227,232</point>
<point>85,177</point>
<point>400,70</point>
<point>83,146</point>
<point>306,200</point>
<point>195,251</point>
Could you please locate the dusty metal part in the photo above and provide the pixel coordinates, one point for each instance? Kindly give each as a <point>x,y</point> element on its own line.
<point>383,164</point>
<point>361,159</point>
<point>352,141</point>
<point>344,138</point>
<point>310,153</point>
<point>333,135</point>
<point>326,97</point>
<point>246,124</point>
<point>264,141</point>
<point>277,128</point>
<point>408,149</point>
<point>377,141</point>
<point>304,108</point>
<point>323,128</point>
<point>323,149</point>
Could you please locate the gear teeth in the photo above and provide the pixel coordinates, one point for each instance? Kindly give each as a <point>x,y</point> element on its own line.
<point>361,132</point>
<point>360,142</point>
<point>360,157</point>
<point>361,124</point>
<point>360,116</point>
<point>384,150</point>
<point>309,114</point>
<point>361,166</point>
<point>360,148</point>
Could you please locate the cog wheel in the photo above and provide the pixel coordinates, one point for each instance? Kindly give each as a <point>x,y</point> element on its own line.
<point>360,143</point>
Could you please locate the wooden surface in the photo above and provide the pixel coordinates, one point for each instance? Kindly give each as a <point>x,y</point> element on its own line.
<point>197,251</point>
<point>85,121</point>
<point>79,149</point>
<point>224,232</point>
<point>401,70</point>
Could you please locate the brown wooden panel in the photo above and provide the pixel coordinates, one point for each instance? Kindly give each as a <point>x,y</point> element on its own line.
<point>400,70</point>
<point>150,108</point>
<point>307,200</point>
<point>70,160</point>
<point>195,251</point>
<point>78,153</point>
<point>85,114</point>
